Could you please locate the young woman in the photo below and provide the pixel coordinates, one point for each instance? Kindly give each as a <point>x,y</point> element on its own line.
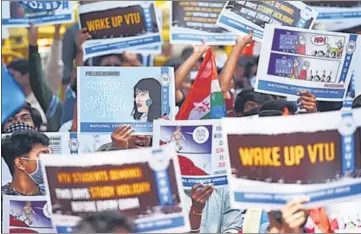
<point>147,100</point>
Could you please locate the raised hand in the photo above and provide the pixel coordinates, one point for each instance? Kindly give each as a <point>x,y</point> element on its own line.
<point>82,36</point>
<point>33,35</point>
<point>121,136</point>
<point>307,101</point>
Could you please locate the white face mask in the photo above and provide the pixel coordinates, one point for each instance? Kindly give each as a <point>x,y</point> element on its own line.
<point>37,175</point>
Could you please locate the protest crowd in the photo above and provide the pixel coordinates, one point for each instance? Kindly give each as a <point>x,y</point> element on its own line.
<point>135,124</point>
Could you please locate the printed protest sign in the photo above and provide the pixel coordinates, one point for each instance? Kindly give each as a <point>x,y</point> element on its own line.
<point>142,184</point>
<point>119,26</point>
<point>193,22</point>
<point>276,159</point>
<point>22,13</point>
<point>111,96</point>
<point>200,149</point>
<point>243,16</point>
<point>298,59</point>
<point>337,11</point>
<point>26,214</point>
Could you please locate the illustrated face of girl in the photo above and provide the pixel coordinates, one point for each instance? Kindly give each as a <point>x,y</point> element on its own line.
<point>141,99</point>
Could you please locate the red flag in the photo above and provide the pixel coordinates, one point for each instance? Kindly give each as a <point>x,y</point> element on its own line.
<point>197,104</point>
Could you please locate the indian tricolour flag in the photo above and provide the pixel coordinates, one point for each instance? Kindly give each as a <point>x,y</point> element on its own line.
<point>205,99</point>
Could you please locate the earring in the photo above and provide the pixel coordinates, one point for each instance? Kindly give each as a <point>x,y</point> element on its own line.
<point>148,102</point>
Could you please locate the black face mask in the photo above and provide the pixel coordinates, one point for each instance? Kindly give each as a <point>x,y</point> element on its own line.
<point>254,111</point>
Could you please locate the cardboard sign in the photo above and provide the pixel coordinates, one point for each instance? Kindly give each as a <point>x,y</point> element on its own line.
<point>200,149</point>
<point>194,22</point>
<point>143,184</point>
<point>26,214</point>
<point>111,96</point>
<point>21,13</point>
<point>243,16</point>
<point>276,159</point>
<point>298,59</point>
<point>119,26</point>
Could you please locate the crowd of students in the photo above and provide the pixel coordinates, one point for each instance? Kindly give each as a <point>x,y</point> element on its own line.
<point>50,106</point>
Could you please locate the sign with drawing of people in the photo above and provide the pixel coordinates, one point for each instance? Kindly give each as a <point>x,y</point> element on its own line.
<point>118,26</point>
<point>111,96</point>
<point>243,16</point>
<point>26,214</point>
<point>22,13</point>
<point>200,149</point>
<point>143,184</point>
<point>274,160</point>
<point>298,59</point>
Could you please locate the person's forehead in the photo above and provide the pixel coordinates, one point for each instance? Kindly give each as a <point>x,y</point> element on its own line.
<point>22,112</point>
<point>39,147</point>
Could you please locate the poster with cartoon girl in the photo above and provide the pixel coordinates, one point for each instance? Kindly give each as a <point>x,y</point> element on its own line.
<point>26,214</point>
<point>112,96</point>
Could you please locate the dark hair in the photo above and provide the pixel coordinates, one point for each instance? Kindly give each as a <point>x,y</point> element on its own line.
<point>35,115</point>
<point>20,65</point>
<point>98,60</point>
<point>186,53</point>
<point>324,106</point>
<point>104,222</point>
<point>174,62</point>
<point>276,107</point>
<point>152,86</point>
<point>20,144</point>
<point>249,95</point>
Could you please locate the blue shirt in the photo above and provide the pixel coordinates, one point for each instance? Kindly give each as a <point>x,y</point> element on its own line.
<point>218,216</point>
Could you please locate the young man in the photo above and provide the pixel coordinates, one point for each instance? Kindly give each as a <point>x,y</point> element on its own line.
<point>21,153</point>
<point>28,118</point>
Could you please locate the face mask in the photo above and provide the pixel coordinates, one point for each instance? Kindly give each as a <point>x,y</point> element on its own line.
<point>37,175</point>
<point>18,127</point>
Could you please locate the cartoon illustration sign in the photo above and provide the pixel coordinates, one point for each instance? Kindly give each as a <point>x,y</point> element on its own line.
<point>275,160</point>
<point>243,16</point>
<point>26,214</point>
<point>299,59</point>
<point>199,145</point>
<point>119,26</point>
<point>110,96</point>
<point>194,22</point>
<point>143,184</point>
<point>22,13</point>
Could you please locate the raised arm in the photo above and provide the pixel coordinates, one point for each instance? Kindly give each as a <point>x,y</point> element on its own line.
<point>228,70</point>
<point>55,66</point>
<point>49,102</point>
<point>186,67</point>
<point>81,37</point>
